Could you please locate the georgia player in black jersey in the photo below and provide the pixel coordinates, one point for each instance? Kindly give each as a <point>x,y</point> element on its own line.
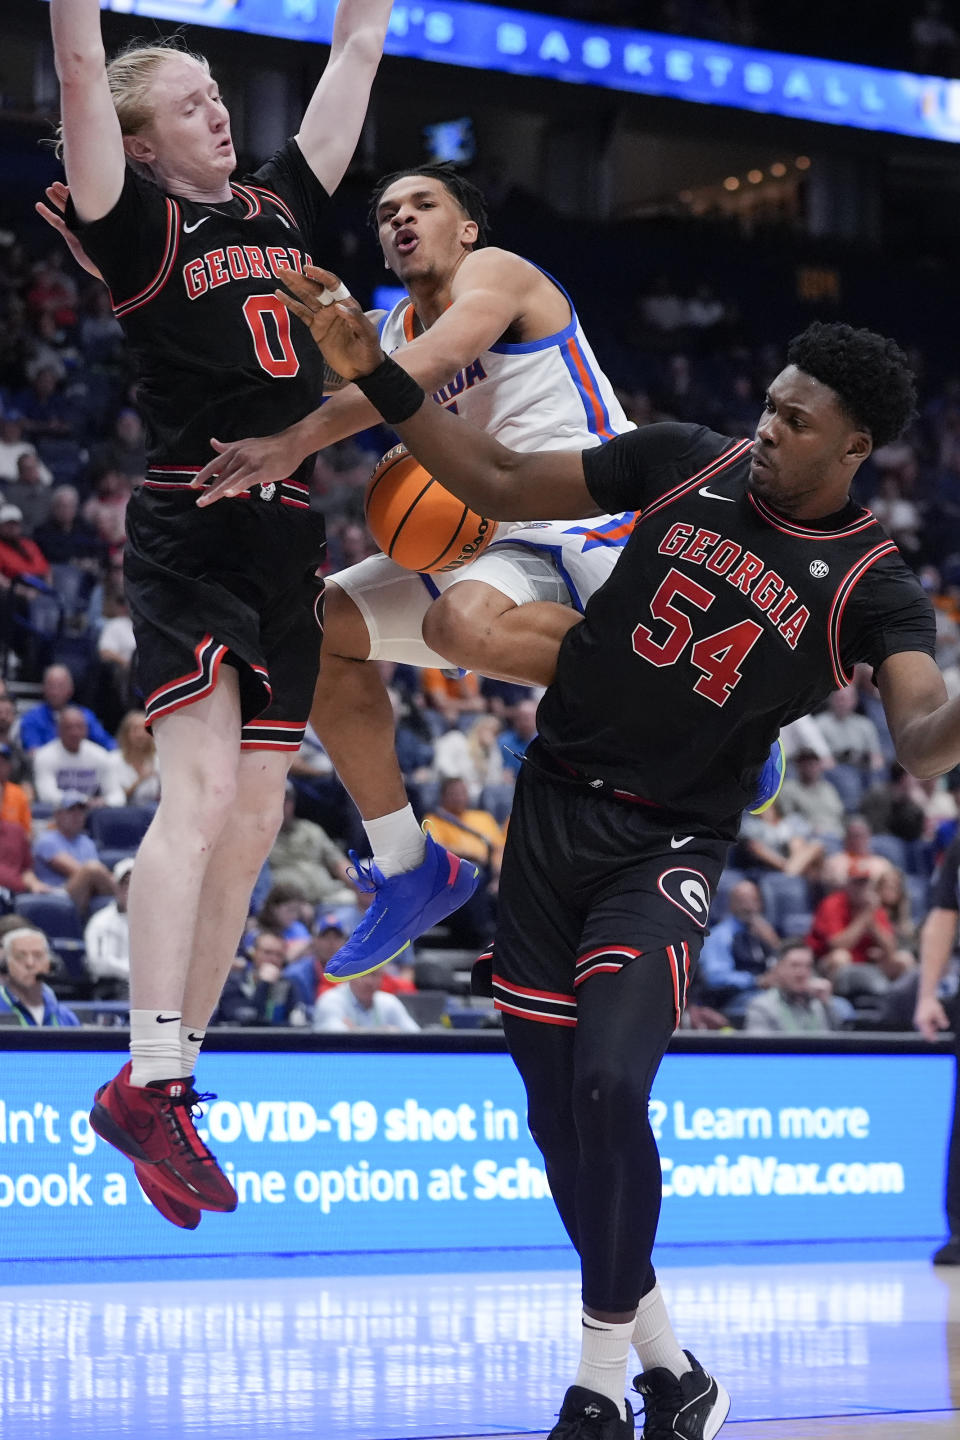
<point>750,587</point>
<point>225,603</point>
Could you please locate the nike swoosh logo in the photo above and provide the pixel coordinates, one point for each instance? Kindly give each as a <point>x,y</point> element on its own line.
<point>189,229</point>
<point>676,844</point>
<point>704,490</point>
<point>167,1020</point>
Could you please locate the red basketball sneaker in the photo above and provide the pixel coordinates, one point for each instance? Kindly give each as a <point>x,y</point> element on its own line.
<point>154,1124</point>
<point>186,1216</point>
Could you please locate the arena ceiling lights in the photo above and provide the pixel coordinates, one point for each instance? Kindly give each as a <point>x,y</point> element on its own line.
<point>518,43</point>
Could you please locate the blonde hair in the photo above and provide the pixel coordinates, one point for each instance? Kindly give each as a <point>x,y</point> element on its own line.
<point>131,73</point>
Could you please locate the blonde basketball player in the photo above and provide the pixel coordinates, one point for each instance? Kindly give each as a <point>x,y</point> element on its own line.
<point>496,338</point>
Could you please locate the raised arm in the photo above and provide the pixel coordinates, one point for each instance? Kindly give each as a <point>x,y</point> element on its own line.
<point>924,723</point>
<point>334,118</point>
<point>488,294</point>
<point>471,464</point>
<point>92,143</point>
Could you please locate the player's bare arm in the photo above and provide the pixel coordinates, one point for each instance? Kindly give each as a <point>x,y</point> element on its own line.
<point>924,723</point>
<point>93,146</point>
<point>497,482</point>
<point>493,292</point>
<point>333,119</point>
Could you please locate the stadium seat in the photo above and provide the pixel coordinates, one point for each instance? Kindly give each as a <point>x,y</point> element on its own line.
<point>892,848</point>
<point>783,895</point>
<point>498,799</point>
<point>119,828</point>
<point>848,782</point>
<point>56,915</point>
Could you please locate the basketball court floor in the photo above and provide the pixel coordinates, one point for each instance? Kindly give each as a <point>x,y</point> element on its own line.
<point>826,1345</point>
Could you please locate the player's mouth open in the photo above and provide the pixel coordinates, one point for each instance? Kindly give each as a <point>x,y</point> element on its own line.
<point>405,241</point>
<point>759,461</point>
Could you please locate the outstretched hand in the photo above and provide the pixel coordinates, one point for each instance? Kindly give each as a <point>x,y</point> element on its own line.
<point>58,194</point>
<point>339,327</point>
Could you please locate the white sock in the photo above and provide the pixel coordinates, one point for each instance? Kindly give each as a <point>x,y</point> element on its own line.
<point>605,1350</point>
<point>155,1046</point>
<point>653,1337</point>
<point>397,841</point>
<point>190,1041</point>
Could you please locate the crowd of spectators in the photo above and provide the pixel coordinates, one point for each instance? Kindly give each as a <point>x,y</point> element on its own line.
<point>816,921</point>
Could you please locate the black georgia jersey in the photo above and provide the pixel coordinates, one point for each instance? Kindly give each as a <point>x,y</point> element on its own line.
<point>216,352</point>
<point>722,621</point>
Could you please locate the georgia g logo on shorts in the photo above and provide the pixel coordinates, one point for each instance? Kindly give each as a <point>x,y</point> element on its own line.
<point>689,891</point>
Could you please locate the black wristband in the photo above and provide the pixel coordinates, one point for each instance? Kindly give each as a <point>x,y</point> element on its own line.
<point>392,391</point>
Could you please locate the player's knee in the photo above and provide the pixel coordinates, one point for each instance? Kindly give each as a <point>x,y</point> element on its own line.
<point>605,1092</point>
<point>461,624</point>
<point>344,628</point>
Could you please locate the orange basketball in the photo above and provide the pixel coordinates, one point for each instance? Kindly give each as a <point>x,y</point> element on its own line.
<point>416,522</point>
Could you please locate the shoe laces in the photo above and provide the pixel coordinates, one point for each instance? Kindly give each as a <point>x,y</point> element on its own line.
<point>181,1113</point>
<point>661,1402</point>
<point>364,873</point>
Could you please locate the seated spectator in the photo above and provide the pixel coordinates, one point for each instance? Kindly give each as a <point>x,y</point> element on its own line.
<point>72,762</point>
<point>412,738</point>
<point>39,724</point>
<point>65,858</point>
<point>45,411</point>
<point>807,793</point>
<point>107,939</point>
<point>304,858</point>
<point>736,953</point>
<point>101,334</point>
<point>20,557</point>
<point>451,695</point>
<point>136,762</point>
<point>891,808</point>
<point>29,492</point>
<point>474,835</point>
<point>12,447</point>
<point>65,538</point>
<point>116,647</point>
<point>523,728</point>
<point>256,991</point>
<point>797,1000</point>
<point>473,755</point>
<point>856,857</point>
<point>9,728</point>
<point>894,897</point>
<point>853,940</point>
<point>361,1004</point>
<point>17,875</point>
<point>773,841</point>
<point>851,738</point>
<point>126,450</point>
<point>287,911</point>
<point>14,804</point>
<point>106,510</point>
<point>306,974</point>
<point>24,998</point>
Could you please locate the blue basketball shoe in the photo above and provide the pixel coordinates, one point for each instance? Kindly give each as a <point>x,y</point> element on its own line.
<point>404,906</point>
<point>771,779</point>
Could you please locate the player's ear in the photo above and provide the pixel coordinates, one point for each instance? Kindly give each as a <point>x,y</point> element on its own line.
<point>139,149</point>
<point>469,232</point>
<point>859,448</point>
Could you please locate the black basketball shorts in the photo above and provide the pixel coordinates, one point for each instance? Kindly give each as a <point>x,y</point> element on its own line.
<point>589,885</point>
<point>235,583</point>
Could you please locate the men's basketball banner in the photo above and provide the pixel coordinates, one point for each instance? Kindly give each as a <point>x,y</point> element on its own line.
<point>517,42</point>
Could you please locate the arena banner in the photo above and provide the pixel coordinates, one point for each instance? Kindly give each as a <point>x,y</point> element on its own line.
<point>340,1151</point>
<point>641,61</point>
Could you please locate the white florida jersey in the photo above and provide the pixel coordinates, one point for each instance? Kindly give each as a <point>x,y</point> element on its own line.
<point>548,394</point>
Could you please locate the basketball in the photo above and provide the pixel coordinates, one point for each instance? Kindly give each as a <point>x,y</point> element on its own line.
<point>416,522</point>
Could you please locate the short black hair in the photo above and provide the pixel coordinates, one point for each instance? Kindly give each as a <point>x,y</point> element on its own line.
<point>870,375</point>
<point>466,194</point>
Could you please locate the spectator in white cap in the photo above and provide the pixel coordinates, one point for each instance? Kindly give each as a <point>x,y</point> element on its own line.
<point>65,858</point>
<point>20,557</point>
<point>73,762</point>
<point>107,939</point>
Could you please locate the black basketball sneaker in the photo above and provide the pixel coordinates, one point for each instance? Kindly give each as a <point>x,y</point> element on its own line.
<point>585,1415</point>
<point>691,1408</point>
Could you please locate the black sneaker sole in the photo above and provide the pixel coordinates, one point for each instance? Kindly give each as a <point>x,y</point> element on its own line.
<point>108,1129</point>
